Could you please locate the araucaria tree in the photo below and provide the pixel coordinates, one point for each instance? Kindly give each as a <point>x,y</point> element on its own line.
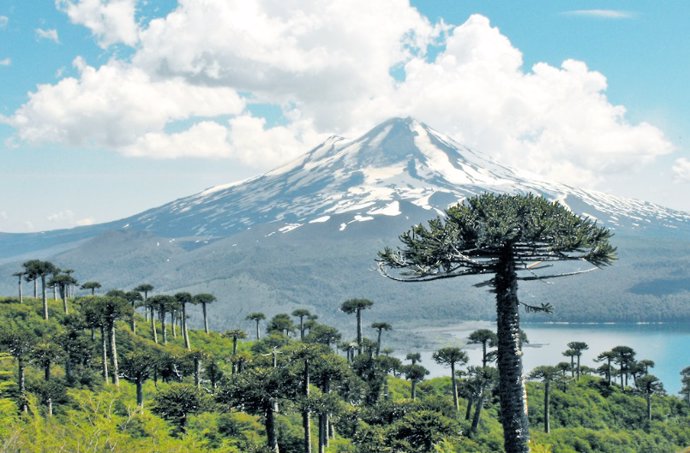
<point>204,299</point>
<point>356,306</point>
<point>257,317</point>
<point>451,356</point>
<point>500,235</point>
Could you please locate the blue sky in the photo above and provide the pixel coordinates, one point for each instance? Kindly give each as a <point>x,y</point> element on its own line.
<point>110,107</point>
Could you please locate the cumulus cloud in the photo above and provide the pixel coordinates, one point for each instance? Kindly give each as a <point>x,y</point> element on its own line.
<point>49,34</point>
<point>601,13</point>
<point>6,62</point>
<point>114,106</point>
<point>328,69</point>
<point>4,20</point>
<point>110,21</point>
<point>681,170</point>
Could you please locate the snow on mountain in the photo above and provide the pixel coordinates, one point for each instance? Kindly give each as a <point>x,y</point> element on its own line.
<point>399,163</point>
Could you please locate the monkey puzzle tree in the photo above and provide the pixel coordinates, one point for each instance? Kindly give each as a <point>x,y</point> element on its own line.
<point>451,356</point>
<point>204,299</point>
<point>500,235</point>
<point>136,367</point>
<point>19,276</point>
<point>92,286</point>
<point>380,327</point>
<point>486,338</point>
<point>31,274</point>
<point>546,374</point>
<point>649,385</point>
<point>111,309</point>
<point>235,334</point>
<point>356,306</point>
<point>415,374</point>
<point>281,323</point>
<point>301,313</point>
<point>63,281</point>
<point>45,354</point>
<point>578,347</point>
<point>183,299</point>
<point>257,318</point>
<point>40,269</point>
<point>145,289</point>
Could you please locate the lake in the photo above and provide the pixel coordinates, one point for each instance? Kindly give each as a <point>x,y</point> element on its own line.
<point>667,344</point>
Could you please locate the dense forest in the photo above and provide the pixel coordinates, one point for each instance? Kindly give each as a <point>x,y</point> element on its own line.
<point>121,372</point>
<point>77,371</point>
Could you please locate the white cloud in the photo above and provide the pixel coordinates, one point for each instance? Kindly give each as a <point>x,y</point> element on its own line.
<point>110,21</point>
<point>328,69</point>
<point>681,170</point>
<point>84,222</point>
<point>50,34</point>
<point>329,56</point>
<point>61,216</point>
<point>6,62</point>
<point>4,20</point>
<point>114,106</point>
<point>601,13</point>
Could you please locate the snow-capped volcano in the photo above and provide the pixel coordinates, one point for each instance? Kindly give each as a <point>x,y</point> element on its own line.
<point>307,233</point>
<point>400,162</point>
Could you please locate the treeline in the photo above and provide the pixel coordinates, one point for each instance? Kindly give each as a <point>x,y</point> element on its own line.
<point>292,385</point>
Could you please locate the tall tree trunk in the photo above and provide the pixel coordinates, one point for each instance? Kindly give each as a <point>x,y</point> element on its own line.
<point>153,327</point>
<point>173,323</point>
<point>46,371</point>
<point>55,292</point>
<point>547,408</point>
<point>203,308</point>
<point>306,420</point>
<point>44,297</point>
<point>511,385</point>
<point>65,308</point>
<point>477,412</point>
<point>258,334</point>
<point>113,353</point>
<point>413,390</point>
<point>50,407</point>
<point>468,411</point>
<point>578,367</point>
<point>185,333</point>
<point>21,377</point>
<point>133,321</point>
<point>359,331</point>
<point>378,343</point>
<point>140,393</point>
<point>323,435</point>
<point>164,332</point>
<point>484,353</point>
<point>649,406</point>
<point>104,354</point>
<point>270,425</point>
<point>197,372</point>
<point>456,403</point>
<point>21,294</point>
<point>35,288</point>
<point>572,366</point>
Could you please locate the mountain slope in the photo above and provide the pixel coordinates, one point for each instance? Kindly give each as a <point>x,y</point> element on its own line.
<point>307,234</point>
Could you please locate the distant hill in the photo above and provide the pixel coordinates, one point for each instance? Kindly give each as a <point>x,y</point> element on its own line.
<point>307,234</point>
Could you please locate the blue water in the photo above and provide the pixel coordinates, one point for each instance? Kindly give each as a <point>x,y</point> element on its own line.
<point>668,345</point>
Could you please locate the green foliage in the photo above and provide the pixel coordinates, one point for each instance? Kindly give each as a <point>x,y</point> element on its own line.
<point>370,409</point>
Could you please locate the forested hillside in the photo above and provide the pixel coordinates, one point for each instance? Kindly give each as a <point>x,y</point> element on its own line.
<point>92,377</point>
